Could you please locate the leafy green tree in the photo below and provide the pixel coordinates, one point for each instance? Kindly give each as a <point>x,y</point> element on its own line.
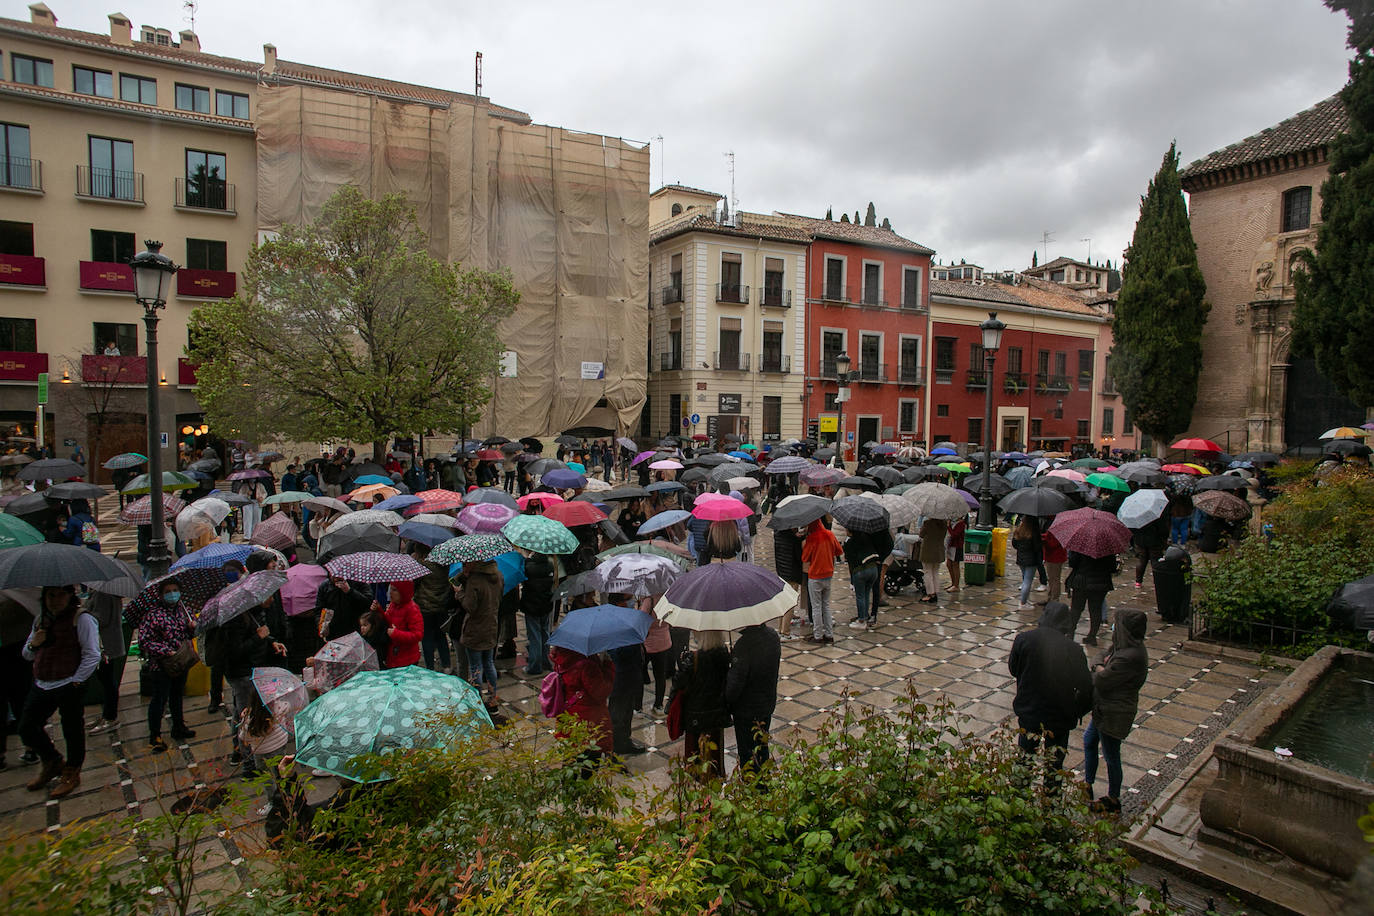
<point>1157,328</point>
<point>1333,319</point>
<point>348,328</point>
<point>871,217</point>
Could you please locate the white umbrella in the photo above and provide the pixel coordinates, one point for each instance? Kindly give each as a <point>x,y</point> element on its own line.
<point>595,485</point>
<point>434,518</point>
<point>217,509</point>
<point>901,511</point>
<point>937,500</point>
<point>742,483</point>
<point>381,517</point>
<point>192,525</point>
<point>1142,507</point>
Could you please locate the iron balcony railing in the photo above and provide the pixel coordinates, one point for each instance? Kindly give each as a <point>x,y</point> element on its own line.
<point>775,363</point>
<point>109,184</point>
<point>870,372</point>
<point>732,362</point>
<point>732,292</point>
<point>669,362</point>
<point>832,292</point>
<point>909,374</point>
<point>913,305</point>
<point>977,380</point>
<point>1085,381</point>
<point>775,298</point>
<point>207,195</point>
<point>1014,382</point>
<point>20,173</point>
<point>671,294</point>
<point>1045,382</point>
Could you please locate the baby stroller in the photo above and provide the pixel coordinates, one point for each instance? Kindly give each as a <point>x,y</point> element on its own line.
<point>901,572</point>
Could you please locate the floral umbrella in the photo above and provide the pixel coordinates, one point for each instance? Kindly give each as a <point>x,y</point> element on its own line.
<point>241,597</point>
<point>1091,532</point>
<point>436,501</point>
<point>340,659</point>
<point>282,693</point>
<point>279,531</point>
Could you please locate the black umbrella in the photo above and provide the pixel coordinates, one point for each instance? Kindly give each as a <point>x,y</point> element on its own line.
<point>574,585</point>
<point>568,440</point>
<point>352,539</point>
<point>57,564</point>
<point>28,504</point>
<point>1223,482</point>
<point>75,490</point>
<point>799,511</point>
<point>363,470</point>
<point>945,444</point>
<point>491,495</point>
<point>512,448</point>
<point>1041,502</point>
<point>543,465</point>
<point>52,469</point>
<point>824,454</point>
<point>1062,484</point>
<point>1342,447</point>
<point>858,483</point>
<point>729,471</point>
<point>859,514</point>
<point>712,459</point>
<point>884,474</point>
<point>1146,476</point>
<point>1353,604</point>
<point>1259,457</point>
<point>204,465</point>
<point>531,444</point>
<point>998,484</point>
<point>494,440</point>
<point>694,475</point>
<point>613,532</point>
<point>619,493</point>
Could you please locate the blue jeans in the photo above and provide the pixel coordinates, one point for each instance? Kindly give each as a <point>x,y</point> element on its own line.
<point>1111,752</point>
<point>536,642</point>
<point>865,582</point>
<point>482,665</point>
<point>1027,582</point>
<point>1178,530</point>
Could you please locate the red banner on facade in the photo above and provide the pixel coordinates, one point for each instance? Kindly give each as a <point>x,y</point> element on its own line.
<point>114,370</point>
<point>106,275</point>
<point>211,284</point>
<point>22,367</point>
<point>22,270</point>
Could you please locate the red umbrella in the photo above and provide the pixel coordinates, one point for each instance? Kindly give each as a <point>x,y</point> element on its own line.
<point>489,454</point>
<point>1197,445</point>
<point>436,501</point>
<point>1180,469</point>
<point>1091,532</point>
<point>574,513</point>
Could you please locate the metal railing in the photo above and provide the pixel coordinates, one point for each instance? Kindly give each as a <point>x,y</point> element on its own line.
<point>910,375</point>
<point>835,293</point>
<point>669,362</point>
<point>208,195</point>
<point>20,173</point>
<point>780,364</point>
<point>977,380</point>
<point>1014,382</point>
<point>732,362</point>
<point>913,305</point>
<point>873,298</point>
<point>869,372</point>
<point>109,184</point>
<point>671,294</point>
<point>944,373</point>
<point>732,292</point>
<point>1085,381</point>
<point>1045,382</point>
<point>775,298</point>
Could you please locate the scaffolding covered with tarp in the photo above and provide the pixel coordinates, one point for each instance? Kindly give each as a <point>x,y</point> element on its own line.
<point>565,212</point>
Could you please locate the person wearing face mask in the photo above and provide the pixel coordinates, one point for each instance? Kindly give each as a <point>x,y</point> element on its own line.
<point>160,633</point>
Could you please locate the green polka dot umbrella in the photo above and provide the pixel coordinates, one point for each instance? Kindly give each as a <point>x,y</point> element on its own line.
<point>540,534</point>
<point>380,712</point>
<point>470,548</point>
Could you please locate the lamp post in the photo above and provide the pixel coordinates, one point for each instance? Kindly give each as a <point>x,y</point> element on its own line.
<point>841,395</point>
<point>992,339</point>
<point>152,282</point>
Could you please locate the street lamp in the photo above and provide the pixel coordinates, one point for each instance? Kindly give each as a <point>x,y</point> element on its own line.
<point>152,282</point>
<point>841,395</point>
<point>992,339</point>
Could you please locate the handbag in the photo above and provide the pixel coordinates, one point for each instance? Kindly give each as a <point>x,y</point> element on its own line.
<point>674,722</point>
<point>183,659</point>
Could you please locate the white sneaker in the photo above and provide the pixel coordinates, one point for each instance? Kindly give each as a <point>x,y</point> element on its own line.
<point>857,625</point>
<point>1042,588</point>
<point>103,725</point>
<point>1024,607</point>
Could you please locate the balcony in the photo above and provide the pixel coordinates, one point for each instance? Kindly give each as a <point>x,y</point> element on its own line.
<point>671,294</point>
<point>732,362</point>
<point>826,369</point>
<point>22,367</point>
<point>105,184</point>
<point>944,374</point>
<point>873,299</point>
<point>1085,381</point>
<point>869,372</point>
<point>775,363</point>
<point>186,372</point>
<point>114,370</point>
<point>913,305</point>
<point>909,374</point>
<point>1109,387</point>
<point>22,270</point>
<point>216,196</point>
<point>977,380</point>
<point>1014,383</point>
<point>776,298</point>
<point>1047,383</point>
<point>18,174</point>
<point>669,362</point>
<point>835,293</point>
<point>206,284</point>
<point>106,276</point>
<point>732,292</point>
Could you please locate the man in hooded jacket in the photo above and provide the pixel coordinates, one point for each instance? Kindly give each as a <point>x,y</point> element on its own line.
<point>1054,689</point>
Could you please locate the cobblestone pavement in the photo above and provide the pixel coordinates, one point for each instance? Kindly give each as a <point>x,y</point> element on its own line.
<point>958,649</point>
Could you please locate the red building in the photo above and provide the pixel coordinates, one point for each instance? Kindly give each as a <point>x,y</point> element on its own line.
<point>868,296</point>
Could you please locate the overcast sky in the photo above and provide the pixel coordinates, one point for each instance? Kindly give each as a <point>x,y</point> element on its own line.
<point>974,126</point>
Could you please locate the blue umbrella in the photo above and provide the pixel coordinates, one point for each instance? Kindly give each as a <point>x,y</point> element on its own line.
<point>399,502</point>
<point>666,486</point>
<point>590,630</point>
<point>943,451</point>
<point>564,479</point>
<point>663,520</point>
<point>213,556</point>
<point>511,564</point>
<point>429,535</point>
<point>742,455</point>
<point>370,479</point>
<point>198,475</point>
<point>1016,456</point>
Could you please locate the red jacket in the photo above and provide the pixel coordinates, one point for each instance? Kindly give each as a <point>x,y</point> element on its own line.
<point>1054,552</point>
<point>408,625</point>
<point>587,683</point>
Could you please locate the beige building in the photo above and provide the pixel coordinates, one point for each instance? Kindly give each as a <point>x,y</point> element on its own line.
<point>1077,275</point>
<point>1253,206</point>
<point>727,320</point>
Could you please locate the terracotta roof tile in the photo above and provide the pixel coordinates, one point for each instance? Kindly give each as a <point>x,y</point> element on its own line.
<point>1025,295</point>
<point>858,234</point>
<point>757,227</point>
<point>1306,130</point>
<point>165,52</point>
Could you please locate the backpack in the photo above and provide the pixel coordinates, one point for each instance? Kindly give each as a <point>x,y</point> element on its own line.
<point>90,534</point>
<point>553,696</point>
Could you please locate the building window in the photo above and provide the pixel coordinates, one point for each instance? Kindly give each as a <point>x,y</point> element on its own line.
<point>677,210</point>
<point>112,169</point>
<point>772,347</point>
<point>86,81</point>
<point>123,336</point>
<point>910,356</point>
<point>206,174</point>
<point>729,356</point>
<point>907,414</point>
<point>138,89</point>
<point>834,278</point>
<point>31,71</point>
<point>941,410</point>
<point>1042,364</point>
<point>1014,361</point>
<point>19,335</point>
<point>206,254</point>
<point>1061,364</point>
<point>1057,276</point>
<point>911,287</point>
<point>832,345</point>
<point>675,276</point>
<point>870,356</point>
<point>674,344</point>
<point>16,168</point>
<point>112,247</point>
<point>873,284</point>
<point>16,238</point>
<point>975,429</point>
<point>1037,427</point>
<point>773,281</point>
<point>1108,421</point>
<point>830,401</point>
<point>1084,429</point>
<point>1085,369</point>
<point>231,105</point>
<point>1297,209</point>
<point>772,417</point>
<point>944,358</point>
<point>1126,427</point>
<point>730,271</point>
<point>192,98</point>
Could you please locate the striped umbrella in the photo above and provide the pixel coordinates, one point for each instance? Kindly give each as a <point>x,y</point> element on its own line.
<point>540,534</point>
<point>140,511</point>
<point>279,531</point>
<point>373,566</point>
<point>790,464</point>
<point>126,460</point>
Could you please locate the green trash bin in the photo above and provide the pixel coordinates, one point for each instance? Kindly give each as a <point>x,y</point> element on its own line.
<point>977,555</point>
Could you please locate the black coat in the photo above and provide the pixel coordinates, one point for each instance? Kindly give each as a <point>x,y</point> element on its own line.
<point>536,592</point>
<point>864,544</point>
<point>243,648</point>
<point>787,549</point>
<point>701,677</point>
<point>347,606</point>
<point>1053,687</point>
<point>751,687</point>
<point>1119,676</point>
<point>1092,574</point>
<point>1030,551</point>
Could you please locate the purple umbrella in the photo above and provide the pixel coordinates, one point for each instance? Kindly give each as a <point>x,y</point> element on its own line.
<point>249,474</point>
<point>303,581</point>
<point>564,479</point>
<point>970,499</point>
<point>484,518</point>
<point>374,566</point>
<point>1091,532</point>
<point>244,595</point>
<point>821,476</point>
<point>399,503</point>
<point>643,456</point>
<point>725,596</point>
<point>279,532</point>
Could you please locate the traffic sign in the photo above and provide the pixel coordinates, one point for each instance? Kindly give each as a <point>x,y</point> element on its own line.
<point>686,422</point>
<point>696,418</point>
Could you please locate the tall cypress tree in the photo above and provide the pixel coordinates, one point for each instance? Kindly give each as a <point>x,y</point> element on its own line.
<point>871,217</point>
<point>1035,259</point>
<point>1333,319</point>
<point>1157,328</point>
<point>829,213</point>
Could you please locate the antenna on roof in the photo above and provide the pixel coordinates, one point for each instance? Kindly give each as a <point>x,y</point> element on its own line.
<point>1090,249</point>
<point>734,201</point>
<point>659,138</point>
<point>1045,240</point>
<point>477,75</point>
<point>190,6</point>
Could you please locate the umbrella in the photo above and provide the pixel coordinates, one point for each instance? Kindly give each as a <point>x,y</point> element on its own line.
<point>511,564</point>
<point>1181,484</point>
<point>1223,482</point>
<point>1261,458</point>
<point>14,458</point>
<point>900,512</point>
<point>694,475</point>
<point>970,499</point>
<point>372,480</point>
<point>1353,604</point>
<point>577,467</point>
<point>436,501</point>
<point>666,486</point>
<point>595,485</point>
<point>1020,476</point>
<point>544,465</point>
<point>15,532</point>
<point>489,495</point>
<point>399,503</point>
<point>567,440</point>
<point>27,504</point>
<point>512,448</point>
<point>1196,445</point>
<point>377,491</point>
<point>856,483</point>
<point>1181,469</point>
<point>209,465</point>
<point>1091,532</point>
<point>937,500</point>
<point>887,475</point>
<point>1093,463</point>
<point>303,581</point>
<point>663,520</point>
<point>1338,447</point>
<point>737,453</point>
<point>725,596</point>
<point>743,483</point>
<point>626,442</point>
<point>347,541</point>
<point>1145,476</point>
<point>441,521</point>
<point>997,484</point>
<point>279,531</point>
<point>1226,506</point>
<point>616,494</point>
<point>244,595</point>
<point>564,479</point>
<point>864,515</point>
<point>721,509</point>
<point>656,547</point>
<point>249,474</point>
<point>171,480</point>
<point>213,556</point>
<point>214,508</point>
<point>339,659</point>
<point>365,469</point>
<point>1065,485</point>
<point>1142,507</point>
<point>126,460</point>
<point>642,457</point>
<point>374,566</point>
<point>1067,474</point>
<point>1342,432</point>
<point>573,514</point>
<point>637,574</point>
<point>471,548</point>
<point>283,693</point>
<point>788,464</point>
<point>540,534</point>
<point>484,518</point>
<point>378,712</point>
<point>524,501</point>
<point>230,497</point>
<point>366,517</point>
<point>326,504</point>
<point>713,460</point>
<point>423,533</point>
<point>191,525</point>
<point>591,630</point>
<point>574,585</point>
<point>265,457</point>
<point>56,564</point>
<point>287,496</point>
<point>722,473</point>
<point>799,511</point>
<point>884,449</point>
<point>1197,467</point>
<point>1108,482</point>
<point>494,440</point>
<point>942,451</point>
<point>955,468</point>
<point>52,469</point>
<point>1041,502</point>
<point>74,490</point>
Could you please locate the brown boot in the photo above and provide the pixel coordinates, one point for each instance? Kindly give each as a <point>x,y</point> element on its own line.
<point>47,770</point>
<point>71,778</point>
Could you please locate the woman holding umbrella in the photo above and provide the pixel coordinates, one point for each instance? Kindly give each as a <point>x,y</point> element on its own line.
<point>701,677</point>
<point>161,631</point>
<point>482,589</point>
<point>64,646</point>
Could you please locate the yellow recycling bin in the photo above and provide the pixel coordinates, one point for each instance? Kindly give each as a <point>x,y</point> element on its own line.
<point>1000,536</point>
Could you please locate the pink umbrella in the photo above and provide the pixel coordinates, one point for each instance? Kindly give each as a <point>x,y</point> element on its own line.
<point>723,509</point>
<point>485,518</point>
<point>667,464</point>
<point>249,474</point>
<point>818,475</point>
<point>302,582</point>
<point>279,531</point>
<point>436,501</point>
<point>1068,474</point>
<point>524,501</point>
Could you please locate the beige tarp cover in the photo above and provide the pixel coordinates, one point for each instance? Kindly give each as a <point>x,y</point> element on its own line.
<point>565,212</point>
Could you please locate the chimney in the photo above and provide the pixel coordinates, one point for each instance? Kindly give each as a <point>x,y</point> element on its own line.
<point>269,59</point>
<point>189,41</point>
<point>39,14</point>
<point>121,29</point>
